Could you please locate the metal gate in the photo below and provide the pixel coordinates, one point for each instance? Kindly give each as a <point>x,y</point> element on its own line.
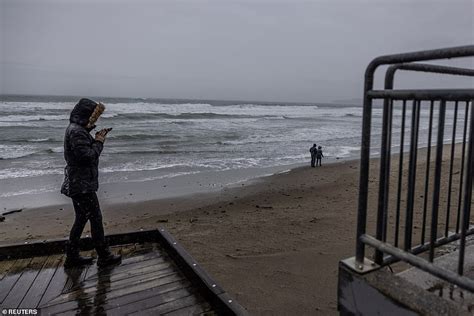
<point>435,127</point>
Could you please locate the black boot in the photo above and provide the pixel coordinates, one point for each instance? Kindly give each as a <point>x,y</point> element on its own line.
<point>106,258</point>
<point>74,259</point>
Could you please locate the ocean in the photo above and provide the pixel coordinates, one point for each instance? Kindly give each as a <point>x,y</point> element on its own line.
<point>160,138</point>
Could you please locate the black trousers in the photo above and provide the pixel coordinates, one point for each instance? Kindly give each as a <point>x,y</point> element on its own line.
<point>87,208</point>
<point>313,159</point>
<point>318,161</point>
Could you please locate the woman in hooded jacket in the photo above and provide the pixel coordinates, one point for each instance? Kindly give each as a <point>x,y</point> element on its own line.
<point>82,152</point>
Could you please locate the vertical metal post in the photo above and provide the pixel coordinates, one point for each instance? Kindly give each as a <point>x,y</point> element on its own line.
<point>451,166</point>
<point>466,214</point>
<point>415,120</point>
<point>461,173</point>
<point>382,187</point>
<point>364,163</point>
<point>400,173</point>
<point>387,171</point>
<point>427,173</point>
<point>437,179</point>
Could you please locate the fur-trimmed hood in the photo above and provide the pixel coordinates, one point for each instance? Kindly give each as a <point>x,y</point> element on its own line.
<point>86,112</point>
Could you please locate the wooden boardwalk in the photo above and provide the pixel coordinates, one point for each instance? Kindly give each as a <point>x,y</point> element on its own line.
<point>147,282</point>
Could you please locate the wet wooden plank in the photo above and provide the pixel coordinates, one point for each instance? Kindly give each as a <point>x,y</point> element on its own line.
<point>123,287</point>
<point>175,305</point>
<point>127,275</point>
<point>57,283</point>
<point>90,271</point>
<point>24,283</point>
<point>163,303</point>
<point>129,257</point>
<point>131,279</point>
<point>194,309</point>
<point>178,306</point>
<point>19,266</point>
<point>109,283</point>
<point>142,257</point>
<point>104,300</point>
<point>125,250</point>
<point>93,269</point>
<point>137,303</point>
<point>133,268</point>
<point>12,277</point>
<point>144,284</point>
<point>76,275</point>
<point>146,247</point>
<point>74,279</point>
<point>5,266</point>
<point>34,294</point>
<point>136,283</point>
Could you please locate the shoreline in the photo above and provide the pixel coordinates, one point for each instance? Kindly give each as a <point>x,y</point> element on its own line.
<point>132,191</point>
<point>180,202</point>
<point>112,193</point>
<point>274,244</point>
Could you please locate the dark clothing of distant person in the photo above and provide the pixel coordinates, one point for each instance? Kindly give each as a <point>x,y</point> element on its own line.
<point>81,152</point>
<point>319,156</point>
<point>313,150</point>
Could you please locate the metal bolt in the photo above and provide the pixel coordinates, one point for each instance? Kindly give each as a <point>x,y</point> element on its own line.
<point>213,285</point>
<point>174,243</point>
<point>230,301</point>
<point>194,264</point>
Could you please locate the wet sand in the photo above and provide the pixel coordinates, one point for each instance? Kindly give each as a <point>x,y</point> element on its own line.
<point>273,244</point>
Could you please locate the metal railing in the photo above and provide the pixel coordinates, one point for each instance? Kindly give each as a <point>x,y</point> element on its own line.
<point>437,105</point>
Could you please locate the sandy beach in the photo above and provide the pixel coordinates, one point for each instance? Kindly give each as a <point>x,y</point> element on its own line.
<point>274,243</point>
<point>199,117</point>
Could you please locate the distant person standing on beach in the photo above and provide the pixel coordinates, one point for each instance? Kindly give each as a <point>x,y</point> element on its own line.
<point>81,152</point>
<point>319,155</point>
<point>313,150</point>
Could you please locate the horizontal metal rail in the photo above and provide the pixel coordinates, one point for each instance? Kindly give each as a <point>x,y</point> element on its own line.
<point>426,246</point>
<point>418,262</point>
<point>426,95</point>
<point>428,68</point>
<point>434,54</point>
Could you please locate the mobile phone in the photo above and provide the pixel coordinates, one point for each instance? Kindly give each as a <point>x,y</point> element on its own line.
<point>108,129</point>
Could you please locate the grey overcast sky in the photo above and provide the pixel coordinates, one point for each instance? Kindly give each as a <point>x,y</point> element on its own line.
<point>309,51</point>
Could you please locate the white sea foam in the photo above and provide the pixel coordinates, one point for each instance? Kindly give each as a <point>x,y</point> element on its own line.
<point>39,140</point>
<point>26,118</point>
<point>12,173</point>
<point>171,139</point>
<point>58,149</point>
<point>140,166</point>
<point>26,192</point>
<point>16,151</point>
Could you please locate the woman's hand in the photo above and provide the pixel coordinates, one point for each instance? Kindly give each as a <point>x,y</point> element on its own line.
<point>101,135</point>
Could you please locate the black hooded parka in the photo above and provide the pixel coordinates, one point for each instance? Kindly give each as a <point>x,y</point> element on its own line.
<point>81,152</point>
